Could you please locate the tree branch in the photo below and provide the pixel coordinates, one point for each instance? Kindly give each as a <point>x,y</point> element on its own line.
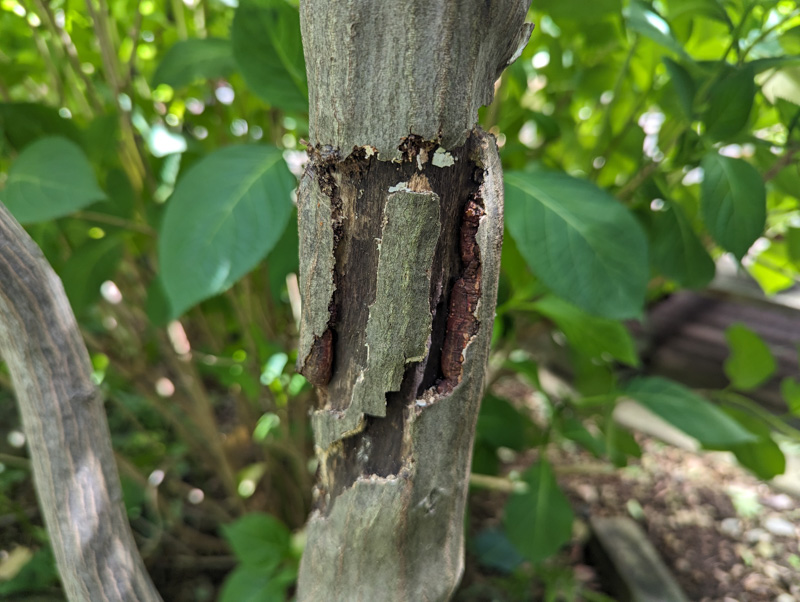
<point>64,421</point>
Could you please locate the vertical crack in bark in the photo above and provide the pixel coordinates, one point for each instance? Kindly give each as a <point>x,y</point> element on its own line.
<point>360,426</point>
<point>462,322</point>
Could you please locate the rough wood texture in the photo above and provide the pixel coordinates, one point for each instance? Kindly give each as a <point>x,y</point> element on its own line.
<point>63,417</point>
<point>391,495</point>
<point>378,71</point>
<point>415,226</point>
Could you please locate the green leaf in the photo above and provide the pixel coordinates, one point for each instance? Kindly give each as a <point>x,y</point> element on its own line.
<point>641,19</point>
<point>793,244</point>
<point>729,104</point>
<point>269,52</point>
<point>87,268</point>
<point>25,122</point>
<point>579,10</point>
<point>783,84</point>
<point>689,412</point>
<point>683,84</point>
<point>37,575</point>
<point>51,178</point>
<point>284,258</point>
<point>259,540</point>
<point>581,242</point>
<point>494,551</point>
<point>188,61</point>
<point>772,268</point>
<point>574,430</point>
<point>751,362</point>
<point>501,425</point>
<point>763,457</point>
<point>675,249</point>
<point>790,391</point>
<point>589,334</point>
<point>225,215</point>
<point>254,584</point>
<point>539,521</point>
<point>732,202</point>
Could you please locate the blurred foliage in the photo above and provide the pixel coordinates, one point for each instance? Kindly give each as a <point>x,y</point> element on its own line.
<point>151,149</point>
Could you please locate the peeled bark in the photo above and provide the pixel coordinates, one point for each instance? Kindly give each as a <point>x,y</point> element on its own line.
<point>400,212</point>
<point>65,424</point>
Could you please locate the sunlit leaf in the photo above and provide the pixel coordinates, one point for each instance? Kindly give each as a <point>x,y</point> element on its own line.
<point>581,242</point>
<point>225,215</point>
<point>751,362</point>
<point>51,178</point>
<point>641,19</point>
<point>589,334</point>
<point>688,411</point>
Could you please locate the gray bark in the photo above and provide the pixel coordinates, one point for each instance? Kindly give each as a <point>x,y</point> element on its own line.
<point>401,228</point>
<point>65,425</point>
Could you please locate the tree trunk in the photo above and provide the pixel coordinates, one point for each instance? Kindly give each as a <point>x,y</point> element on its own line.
<point>401,227</point>
<point>65,424</point>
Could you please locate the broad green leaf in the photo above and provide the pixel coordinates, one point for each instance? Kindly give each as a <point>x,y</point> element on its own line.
<point>588,334</point>
<point>269,52</point>
<point>494,551</point>
<point>24,122</point>
<point>157,306</point>
<point>254,584</point>
<point>188,61</point>
<point>675,249</point>
<point>578,10</point>
<point>783,84</point>
<point>641,19</point>
<point>790,391</point>
<point>772,268</point>
<point>775,62</point>
<point>259,540</point>
<point>750,362</point>
<point>87,268</point>
<point>732,202</point>
<point>51,178</point>
<point>729,104</point>
<point>539,521</point>
<point>574,430</point>
<point>621,444</point>
<point>763,457</point>
<point>283,259</point>
<point>689,412</point>
<point>793,244</point>
<point>583,244</point>
<point>501,425</point>
<point>225,215</point>
<point>683,84</point>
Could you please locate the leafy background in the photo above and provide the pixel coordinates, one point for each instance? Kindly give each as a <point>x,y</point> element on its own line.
<point>152,150</point>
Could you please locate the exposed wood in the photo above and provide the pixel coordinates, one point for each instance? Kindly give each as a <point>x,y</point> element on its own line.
<point>65,424</point>
<point>392,489</point>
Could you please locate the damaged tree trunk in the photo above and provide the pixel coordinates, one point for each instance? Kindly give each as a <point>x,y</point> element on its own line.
<point>400,234</point>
